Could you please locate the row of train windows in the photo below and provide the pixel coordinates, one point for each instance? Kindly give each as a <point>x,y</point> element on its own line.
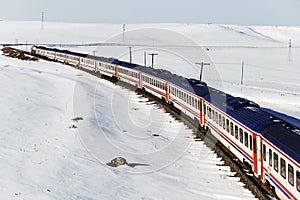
<point>87,61</point>
<point>41,52</point>
<point>128,73</point>
<point>154,82</point>
<point>274,161</point>
<point>185,97</point>
<point>72,57</point>
<point>229,127</point>
<point>105,66</point>
<point>60,55</point>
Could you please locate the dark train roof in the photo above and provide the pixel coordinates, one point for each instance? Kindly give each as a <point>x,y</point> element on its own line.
<point>241,109</point>
<point>285,137</point>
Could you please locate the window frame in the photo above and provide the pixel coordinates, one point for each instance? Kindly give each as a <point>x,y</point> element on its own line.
<point>291,174</point>
<point>270,158</point>
<point>264,152</point>
<point>241,135</point>
<point>275,157</point>
<point>298,181</point>
<point>283,168</point>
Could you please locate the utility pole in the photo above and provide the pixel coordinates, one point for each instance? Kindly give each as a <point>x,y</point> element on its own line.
<point>202,64</point>
<point>152,54</point>
<point>124,28</point>
<point>130,55</point>
<point>242,75</point>
<point>42,20</point>
<point>26,45</point>
<point>145,58</point>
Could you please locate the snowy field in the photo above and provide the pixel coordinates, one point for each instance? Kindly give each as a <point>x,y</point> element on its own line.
<point>42,157</point>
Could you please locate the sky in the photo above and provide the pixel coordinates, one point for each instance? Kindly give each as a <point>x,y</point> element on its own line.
<point>244,12</point>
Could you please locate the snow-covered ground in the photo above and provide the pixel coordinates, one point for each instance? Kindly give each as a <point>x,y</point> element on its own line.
<point>43,158</point>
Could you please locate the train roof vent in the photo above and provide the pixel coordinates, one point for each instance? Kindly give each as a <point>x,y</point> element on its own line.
<point>296,131</point>
<point>193,81</point>
<point>234,103</point>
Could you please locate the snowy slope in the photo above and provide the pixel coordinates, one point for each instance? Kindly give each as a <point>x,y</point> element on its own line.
<point>42,158</point>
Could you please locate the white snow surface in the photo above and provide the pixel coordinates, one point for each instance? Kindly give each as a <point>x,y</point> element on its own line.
<point>42,158</point>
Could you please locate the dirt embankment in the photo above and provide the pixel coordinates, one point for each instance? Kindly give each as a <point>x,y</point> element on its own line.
<point>14,53</point>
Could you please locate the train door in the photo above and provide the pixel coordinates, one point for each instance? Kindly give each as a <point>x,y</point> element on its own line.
<point>202,121</point>
<point>140,79</point>
<point>167,92</point>
<point>257,157</point>
<point>78,64</point>
<point>95,65</point>
<point>116,71</point>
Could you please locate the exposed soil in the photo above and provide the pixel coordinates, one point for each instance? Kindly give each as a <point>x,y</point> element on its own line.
<point>14,53</point>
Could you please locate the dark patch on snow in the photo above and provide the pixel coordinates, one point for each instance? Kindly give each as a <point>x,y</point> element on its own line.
<point>76,119</point>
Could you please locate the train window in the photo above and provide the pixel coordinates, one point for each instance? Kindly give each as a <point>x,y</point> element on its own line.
<point>209,112</point>
<point>282,168</point>
<point>291,174</point>
<point>231,129</point>
<point>298,181</point>
<point>236,132</point>
<point>227,125</point>
<point>264,152</point>
<point>250,142</point>
<point>224,123</point>
<point>270,157</point>
<point>254,146</point>
<point>215,116</point>
<point>246,139</point>
<point>220,120</point>
<point>241,135</point>
<point>275,161</point>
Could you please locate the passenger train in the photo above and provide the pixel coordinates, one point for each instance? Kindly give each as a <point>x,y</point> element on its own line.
<point>268,144</point>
